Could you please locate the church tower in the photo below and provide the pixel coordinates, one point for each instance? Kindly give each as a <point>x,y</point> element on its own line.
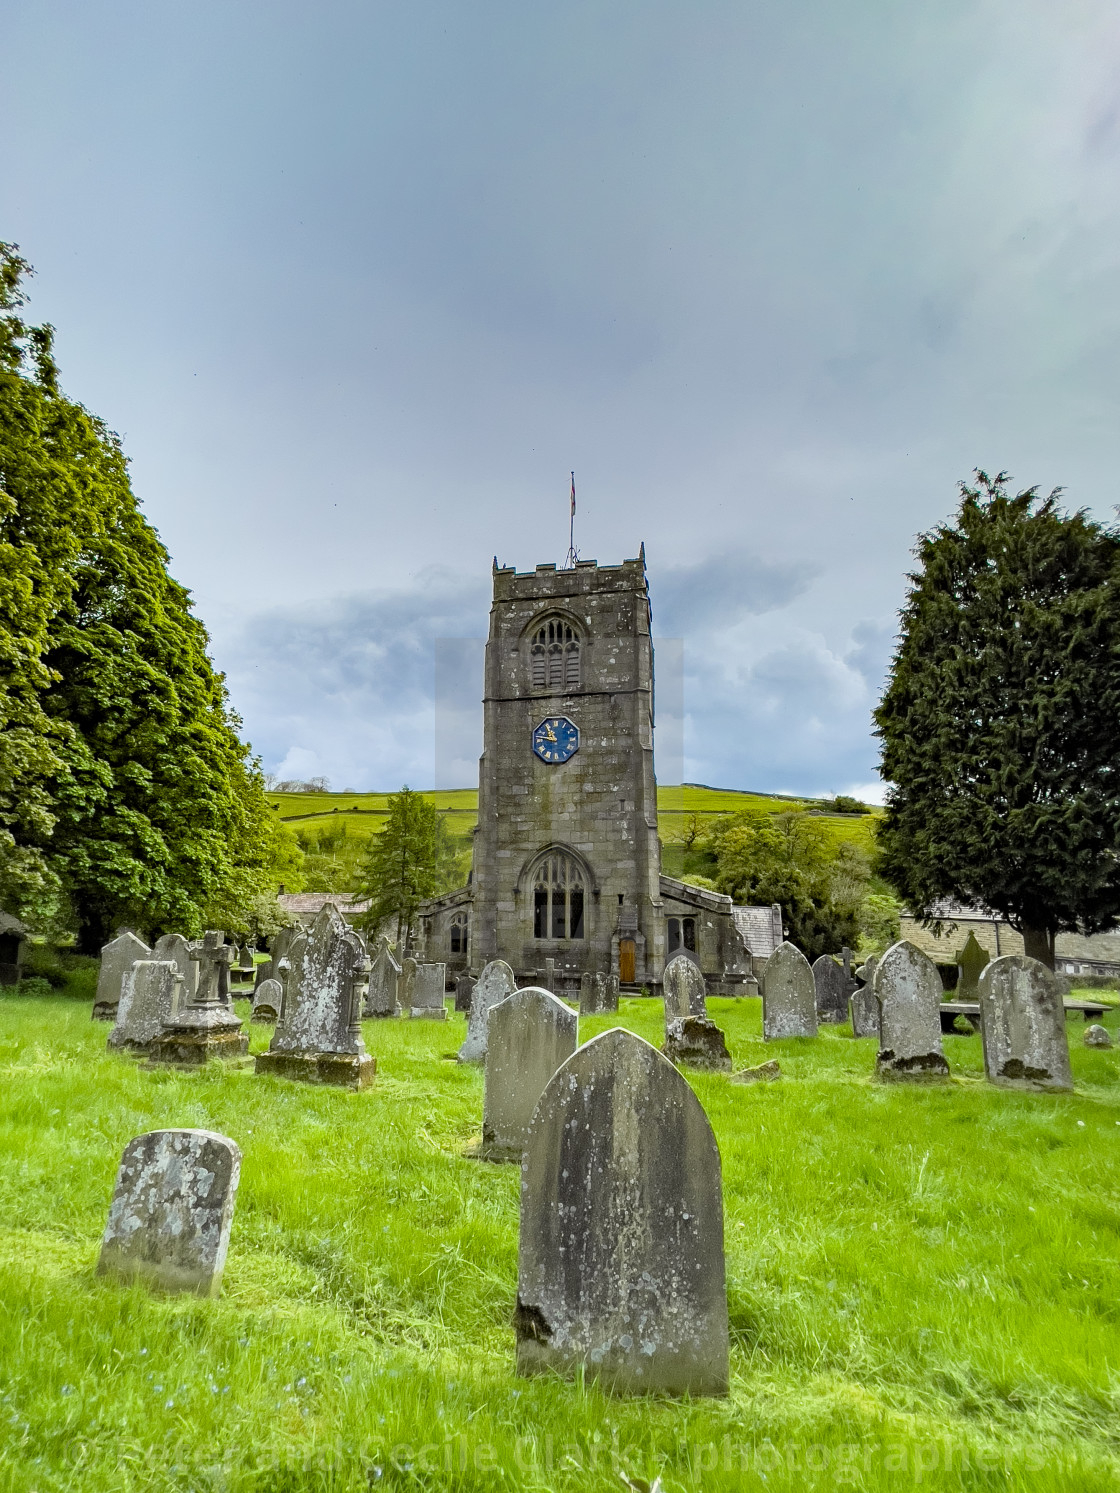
<point>566,858</point>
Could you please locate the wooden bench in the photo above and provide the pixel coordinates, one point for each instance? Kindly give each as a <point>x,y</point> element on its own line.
<point>970,1010</point>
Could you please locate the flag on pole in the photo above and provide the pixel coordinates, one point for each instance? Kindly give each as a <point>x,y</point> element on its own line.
<point>573,495</point>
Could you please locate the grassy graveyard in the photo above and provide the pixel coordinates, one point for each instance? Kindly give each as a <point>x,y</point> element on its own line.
<point>924,1283</point>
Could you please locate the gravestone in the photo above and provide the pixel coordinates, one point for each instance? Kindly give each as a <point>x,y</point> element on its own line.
<point>175,947</point>
<point>765,1073</point>
<point>464,988</point>
<point>172,1208</point>
<point>117,958</point>
<point>268,1002</point>
<point>971,963</point>
<point>598,994</point>
<point>550,975</point>
<point>831,985</point>
<point>406,981</point>
<point>149,999</point>
<point>696,1042</point>
<point>1096,1036</point>
<point>864,1007</point>
<point>1023,1025</point>
<point>318,1038</point>
<point>529,1035</point>
<point>789,995</point>
<point>909,991</point>
<point>203,1027</point>
<point>496,983</point>
<point>683,989</point>
<point>620,1265</point>
<point>384,975</point>
<point>428,991</point>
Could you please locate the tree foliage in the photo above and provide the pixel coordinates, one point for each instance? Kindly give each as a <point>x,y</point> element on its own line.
<point>999,723</point>
<point>413,858</point>
<point>126,794</point>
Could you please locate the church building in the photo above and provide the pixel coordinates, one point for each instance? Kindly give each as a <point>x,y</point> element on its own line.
<point>567,870</point>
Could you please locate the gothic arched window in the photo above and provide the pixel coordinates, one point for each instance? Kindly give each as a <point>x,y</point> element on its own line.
<point>558,893</point>
<point>459,930</point>
<point>554,656</point>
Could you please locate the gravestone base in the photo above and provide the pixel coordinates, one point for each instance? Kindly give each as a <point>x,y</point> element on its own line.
<point>264,1016</point>
<point>368,1015</point>
<point>764,1073</point>
<point>696,1042</point>
<point>1018,1075</point>
<point>343,1070</point>
<point>195,1048</point>
<point>104,1011</point>
<point>925,1067</point>
<point>429,1013</point>
<point>490,1149</point>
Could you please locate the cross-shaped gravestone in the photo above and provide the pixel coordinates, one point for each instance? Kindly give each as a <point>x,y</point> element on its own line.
<point>214,956</point>
<point>206,1025</point>
<point>971,963</point>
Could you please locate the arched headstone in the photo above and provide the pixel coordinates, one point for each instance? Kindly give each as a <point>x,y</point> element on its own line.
<point>530,1034</point>
<point>683,989</point>
<point>1023,1025</point>
<point>496,983</point>
<point>909,991</point>
<point>971,963</point>
<point>268,1002</point>
<point>789,995</point>
<point>621,1264</point>
<point>117,958</point>
<point>175,947</point>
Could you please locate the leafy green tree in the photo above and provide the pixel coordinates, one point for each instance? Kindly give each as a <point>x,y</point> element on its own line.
<point>787,858</point>
<point>125,792</point>
<point>413,858</point>
<point>999,722</point>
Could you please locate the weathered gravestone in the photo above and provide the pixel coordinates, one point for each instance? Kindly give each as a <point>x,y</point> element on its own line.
<point>406,981</point>
<point>864,1006</point>
<point>172,1208</point>
<point>909,991</point>
<point>789,995</point>
<point>971,963</point>
<point>683,989</point>
<point>205,1026</point>
<point>318,1038</point>
<point>530,1034</point>
<point>175,947</point>
<point>1023,1025</point>
<point>696,1042</point>
<point>117,958</point>
<point>598,994</point>
<point>384,974</point>
<point>765,1073</point>
<point>464,989</point>
<point>620,1265</point>
<point>1096,1036</point>
<point>268,1002</point>
<point>429,989</point>
<point>496,983</point>
<point>831,985</point>
<point>149,999</point>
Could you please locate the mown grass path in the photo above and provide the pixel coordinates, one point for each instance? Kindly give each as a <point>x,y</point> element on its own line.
<point>923,1283</point>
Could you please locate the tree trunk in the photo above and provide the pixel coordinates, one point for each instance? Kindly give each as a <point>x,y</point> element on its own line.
<point>1038,943</point>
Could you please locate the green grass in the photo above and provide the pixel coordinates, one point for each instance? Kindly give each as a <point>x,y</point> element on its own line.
<point>912,1273</point>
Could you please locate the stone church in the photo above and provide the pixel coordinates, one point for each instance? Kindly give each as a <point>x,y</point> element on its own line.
<point>567,867</point>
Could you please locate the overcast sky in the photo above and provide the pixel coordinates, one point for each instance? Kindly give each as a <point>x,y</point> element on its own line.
<point>360,283</point>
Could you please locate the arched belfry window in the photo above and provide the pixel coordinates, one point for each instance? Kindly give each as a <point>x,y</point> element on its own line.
<point>558,895</point>
<point>554,656</point>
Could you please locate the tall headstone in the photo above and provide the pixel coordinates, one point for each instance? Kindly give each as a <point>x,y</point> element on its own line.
<point>598,994</point>
<point>464,989</point>
<point>406,980</point>
<point>832,986</point>
<point>149,999</point>
<point>175,947</point>
<point>683,989</point>
<point>429,989</point>
<point>550,975</point>
<point>530,1034</point>
<point>863,1004</point>
<point>1023,1025</point>
<point>971,963</point>
<point>172,1208</point>
<point>909,991</point>
<point>205,1026</point>
<point>789,995</point>
<point>496,983</point>
<point>621,1265</point>
<point>268,1002</point>
<point>384,974</point>
<point>318,1037</point>
<point>117,958</point>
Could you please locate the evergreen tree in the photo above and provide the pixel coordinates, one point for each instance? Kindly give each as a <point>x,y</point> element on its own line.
<point>412,859</point>
<point>124,787</point>
<point>999,723</point>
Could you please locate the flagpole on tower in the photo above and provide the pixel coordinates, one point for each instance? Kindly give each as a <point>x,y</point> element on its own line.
<point>573,553</point>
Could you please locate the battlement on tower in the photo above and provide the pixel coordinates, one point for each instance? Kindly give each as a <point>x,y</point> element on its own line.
<point>586,578</point>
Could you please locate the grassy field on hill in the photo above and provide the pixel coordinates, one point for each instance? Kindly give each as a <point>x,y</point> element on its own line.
<point>924,1284</point>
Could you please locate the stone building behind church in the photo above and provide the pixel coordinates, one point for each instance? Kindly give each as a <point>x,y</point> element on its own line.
<point>566,869</point>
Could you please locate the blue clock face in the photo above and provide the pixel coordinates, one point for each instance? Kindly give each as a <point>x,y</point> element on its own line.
<point>556,739</point>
